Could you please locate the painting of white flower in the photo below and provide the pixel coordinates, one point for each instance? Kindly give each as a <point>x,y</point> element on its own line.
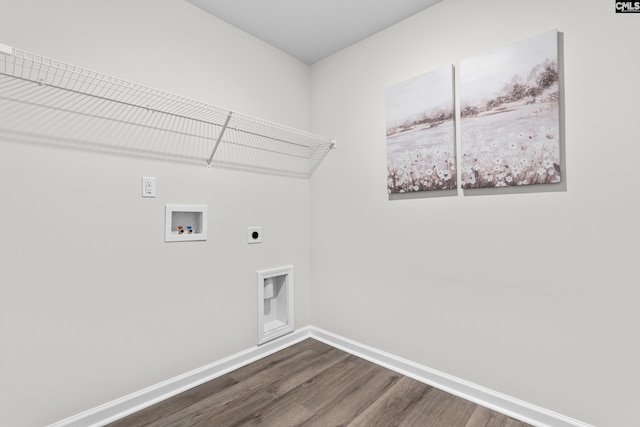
<point>510,115</point>
<point>421,133</point>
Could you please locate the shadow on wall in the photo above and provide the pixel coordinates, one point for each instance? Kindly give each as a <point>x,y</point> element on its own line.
<point>140,133</point>
<point>139,152</point>
<point>47,102</point>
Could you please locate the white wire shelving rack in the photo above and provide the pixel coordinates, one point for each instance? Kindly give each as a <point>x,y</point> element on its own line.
<point>46,101</point>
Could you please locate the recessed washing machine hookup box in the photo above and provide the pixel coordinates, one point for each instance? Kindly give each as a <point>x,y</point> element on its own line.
<point>185,223</point>
<point>275,303</point>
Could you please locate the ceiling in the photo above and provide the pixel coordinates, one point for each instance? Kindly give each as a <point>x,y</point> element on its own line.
<point>312,29</point>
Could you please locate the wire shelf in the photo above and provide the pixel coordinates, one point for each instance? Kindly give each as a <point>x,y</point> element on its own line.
<point>43,100</point>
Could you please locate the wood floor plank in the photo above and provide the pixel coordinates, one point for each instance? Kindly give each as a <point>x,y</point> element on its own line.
<point>293,378</point>
<point>313,384</point>
<point>172,411</point>
<point>163,410</point>
<point>254,392</point>
<point>394,406</point>
<point>156,413</point>
<point>346,399</point>
<point>455,414</point>
<point>286,405</point>
<point>276,415</point>
<point>258,402</point>
<point>431,410</point>
<point>481,417</point>
<point>311,348</point>
<point>485,417</point>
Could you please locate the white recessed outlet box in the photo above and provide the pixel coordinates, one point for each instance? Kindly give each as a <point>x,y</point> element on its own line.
<point>185,223</point>
<point>254,235</point>
<point>275,303</point>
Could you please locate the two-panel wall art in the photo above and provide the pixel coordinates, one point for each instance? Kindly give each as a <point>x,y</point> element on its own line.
<point>509,122</point>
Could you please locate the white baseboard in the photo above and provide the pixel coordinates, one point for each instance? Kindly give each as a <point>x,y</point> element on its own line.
<point>483,396</point>
<point>134,402</point>
<point>139,400</point>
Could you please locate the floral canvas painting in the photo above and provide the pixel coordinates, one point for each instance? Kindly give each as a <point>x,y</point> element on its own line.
<point>509,115</point>
<point>420,133</point>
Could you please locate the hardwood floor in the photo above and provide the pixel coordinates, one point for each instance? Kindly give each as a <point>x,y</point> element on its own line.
<point>313,384</point>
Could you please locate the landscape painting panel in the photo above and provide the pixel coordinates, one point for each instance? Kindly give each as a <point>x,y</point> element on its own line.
<point>420,133</point>
<point>510,115</point>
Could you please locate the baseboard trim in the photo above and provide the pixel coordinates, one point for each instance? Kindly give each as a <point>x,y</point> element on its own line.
<point>119,408</point>
<point>499,402</point>
<point>502,403</point>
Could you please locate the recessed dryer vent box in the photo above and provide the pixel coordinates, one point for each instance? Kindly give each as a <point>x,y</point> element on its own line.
<point>185,223</point>
<point>275,303</point>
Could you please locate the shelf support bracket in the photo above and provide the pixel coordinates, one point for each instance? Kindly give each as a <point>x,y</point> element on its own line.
<point>215,147</point>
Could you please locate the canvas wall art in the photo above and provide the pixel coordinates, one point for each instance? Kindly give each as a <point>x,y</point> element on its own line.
<point>421,133</point>
<point>510,115</point>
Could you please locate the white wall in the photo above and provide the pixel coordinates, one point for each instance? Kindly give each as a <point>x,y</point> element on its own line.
<point>533,295</point>
<point>93,304</point>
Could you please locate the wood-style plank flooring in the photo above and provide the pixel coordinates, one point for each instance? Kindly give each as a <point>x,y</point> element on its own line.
<point>313,384</point>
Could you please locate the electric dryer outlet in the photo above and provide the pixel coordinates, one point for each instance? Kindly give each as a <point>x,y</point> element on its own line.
<point>254,235</point>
